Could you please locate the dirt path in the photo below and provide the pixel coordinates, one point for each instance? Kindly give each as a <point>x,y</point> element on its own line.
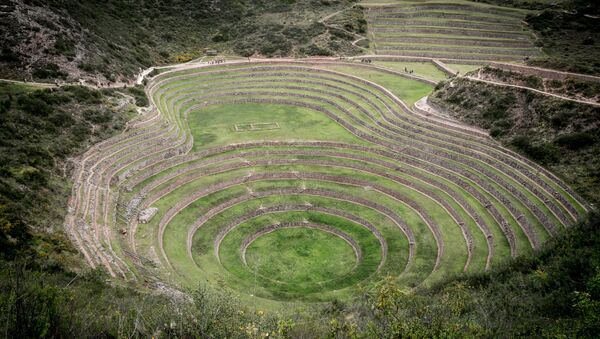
<point>327,17</point>
<point>354,43</point>
<point>533,90</point>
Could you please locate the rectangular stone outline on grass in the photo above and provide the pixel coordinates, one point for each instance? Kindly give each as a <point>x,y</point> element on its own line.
<point>256,126</point>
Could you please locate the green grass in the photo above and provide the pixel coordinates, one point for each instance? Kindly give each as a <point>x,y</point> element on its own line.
<point>477,57</point>
<point>368,110</point>
<point>511,25</point>
<point>329,278</point>
<point>408,90</point>
<point>386,74</point>
<point>300,255</point>
<point>471,14</point>
<point>7,89</point>
<point>423,69</point>
<point>215,125</point>
<point>453,30</point>
<point>472,6</point>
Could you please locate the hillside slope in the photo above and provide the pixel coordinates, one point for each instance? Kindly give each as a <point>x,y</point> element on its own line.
<point>41,133</point>
<point>562,135</point>
<point>112,40</point>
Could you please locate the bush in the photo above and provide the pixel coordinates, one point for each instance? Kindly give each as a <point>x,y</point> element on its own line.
<point>64,46</point>
<point>39,129</point>
<point>50,70</point>
<point>8,55</point>
<point>88,67</point>
<point>96,116</point>
<point>34,105</point>
<point>140,96</point>
<point>575,141</point>
<point>541,152</point>
<point>84,95</point>
<point>314,50</point>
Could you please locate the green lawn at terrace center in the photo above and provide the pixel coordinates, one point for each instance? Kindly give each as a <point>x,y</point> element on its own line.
<point>299,255</point>
<point>215,125</point>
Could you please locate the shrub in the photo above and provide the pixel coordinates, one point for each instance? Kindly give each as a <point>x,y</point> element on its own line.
<point>575,141</point>
<point>34,105</point>
<point>314,50</point>
<point>219,38</point>
<point>96,116</point>
<point>50,70</point>
<point>140,96</point>
<point>84,95</point>
<point>8,55</point>
<point>88,67</point>
<point>534,81</point>
<point>64,46</point>
<point>542,152</point>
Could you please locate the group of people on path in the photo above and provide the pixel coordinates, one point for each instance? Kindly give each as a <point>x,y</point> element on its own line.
<point>218,61</point>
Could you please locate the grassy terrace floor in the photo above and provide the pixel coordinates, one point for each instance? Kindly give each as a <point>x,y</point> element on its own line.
<point>294,182</point>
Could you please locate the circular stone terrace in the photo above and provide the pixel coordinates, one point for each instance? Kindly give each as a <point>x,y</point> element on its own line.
<point>299,180</point>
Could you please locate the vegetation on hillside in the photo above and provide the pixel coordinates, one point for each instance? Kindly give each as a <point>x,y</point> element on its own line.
<point>40,130</point>
<point>570,36</point>
<point>555,293</point>
<point>568,31</point>
<point>570,87</point>
<point>562,135</point>
<point>527,4</point>
<point>110,40</point>
<point>45,292</point>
